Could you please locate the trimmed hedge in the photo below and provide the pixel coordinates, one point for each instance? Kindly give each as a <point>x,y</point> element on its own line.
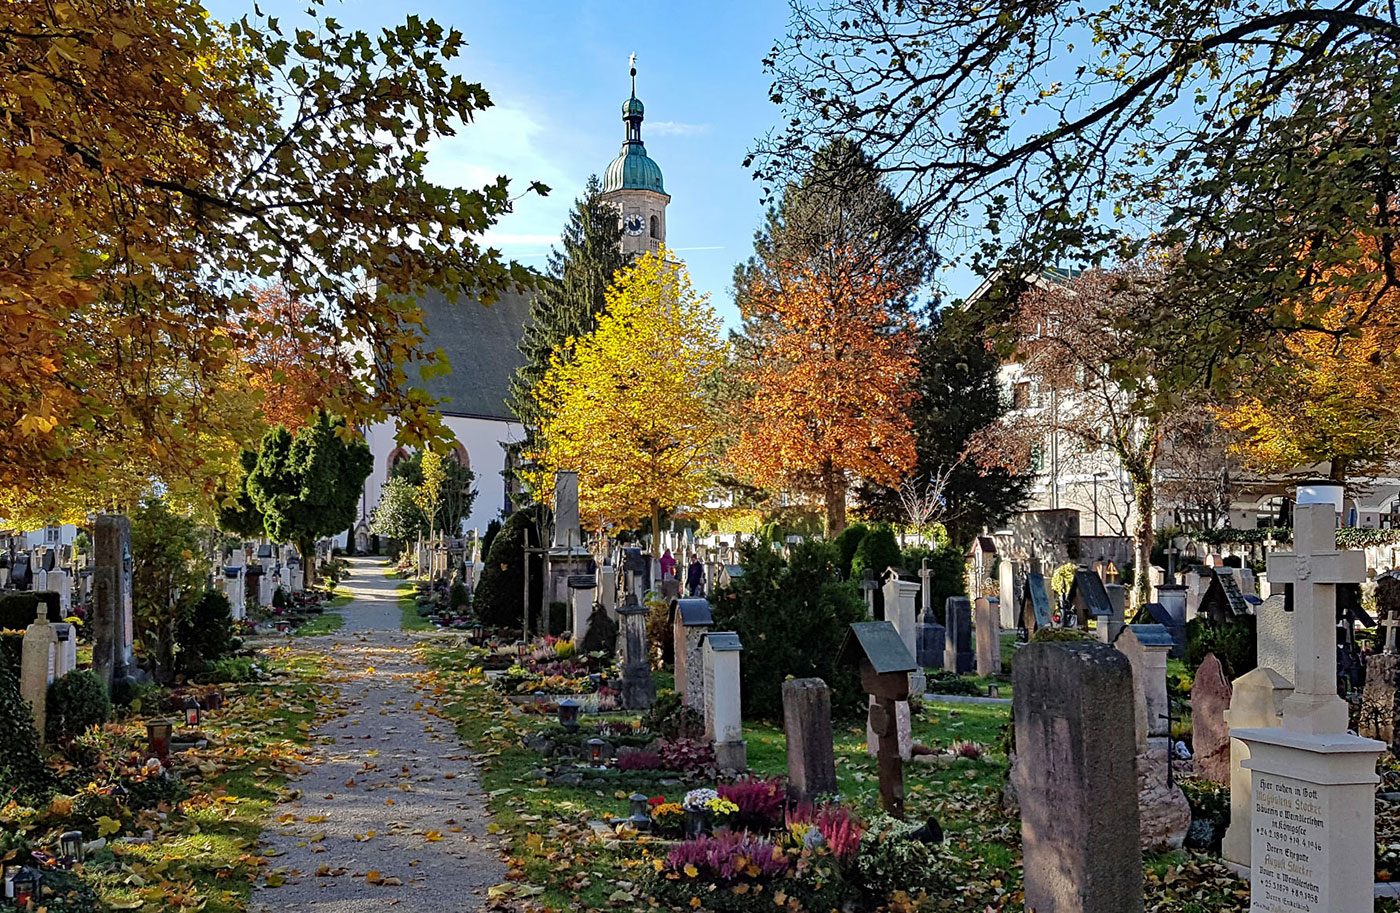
<point>76,703</point>
<point>18,610</point>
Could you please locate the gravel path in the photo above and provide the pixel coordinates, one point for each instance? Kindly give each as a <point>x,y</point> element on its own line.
<point>391,814</point>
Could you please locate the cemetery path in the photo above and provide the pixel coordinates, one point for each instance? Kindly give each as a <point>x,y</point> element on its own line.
<point>391,814</point>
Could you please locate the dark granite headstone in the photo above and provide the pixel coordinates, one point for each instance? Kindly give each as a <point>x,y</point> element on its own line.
<point>811,754</point>
<point>1210,734</point>
<point>1075,778</point>
<point>932,638</point>
<point>957,652</point>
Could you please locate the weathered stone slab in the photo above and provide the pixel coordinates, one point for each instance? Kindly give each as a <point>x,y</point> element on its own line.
<point>957,652</point>
<point>1210,734</point>
<point>810,745</point>
<point>1075,779</point>
<point>988,637</point>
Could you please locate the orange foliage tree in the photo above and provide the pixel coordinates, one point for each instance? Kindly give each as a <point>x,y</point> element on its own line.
<point>830,369</point>
<point>293,363</point>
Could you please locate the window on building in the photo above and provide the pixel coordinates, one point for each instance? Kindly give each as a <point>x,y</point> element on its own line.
<point>656,227</point>
<point>1021,395</point>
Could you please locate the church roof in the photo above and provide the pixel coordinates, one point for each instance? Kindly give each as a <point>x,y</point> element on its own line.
<point>482,346</point>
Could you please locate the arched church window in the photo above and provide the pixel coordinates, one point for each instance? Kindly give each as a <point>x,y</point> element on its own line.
<point>656,227</point>
<point>396,456</point>
<point>459,454</point>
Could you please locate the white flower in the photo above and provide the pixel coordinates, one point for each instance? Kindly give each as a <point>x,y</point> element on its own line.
<point>695,799</point>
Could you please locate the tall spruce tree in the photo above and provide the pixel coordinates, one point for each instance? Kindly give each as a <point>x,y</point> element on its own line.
<point>570,298</point>
<point>959,396</point>
<point>840,204</point>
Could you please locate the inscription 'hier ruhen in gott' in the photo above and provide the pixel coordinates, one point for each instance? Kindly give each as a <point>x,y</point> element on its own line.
<point>1290,828</point>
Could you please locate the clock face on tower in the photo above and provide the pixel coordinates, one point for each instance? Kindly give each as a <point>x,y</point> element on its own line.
<point>633,224</point>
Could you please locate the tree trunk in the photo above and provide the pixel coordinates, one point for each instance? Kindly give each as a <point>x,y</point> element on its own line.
<point>1145,501</point>
<point>835,504</point>
<point>656,529</point>
<point>1340,467</point>
<point>308,563</point>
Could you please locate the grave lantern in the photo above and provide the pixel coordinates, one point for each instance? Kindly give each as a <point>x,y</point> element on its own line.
<point>191,712</point>
<point>26,887</point>
<point>478,632</point>
<point>641,815</point>
<point>10,872</point>
<point>568,714</point>
<point>520,651</point>
<point>70,845</point>
<point>595,751</point>
<point>993,691</point>
<point>158,735</point>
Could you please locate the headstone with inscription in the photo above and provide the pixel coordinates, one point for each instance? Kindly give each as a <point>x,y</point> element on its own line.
<point>1035,610</point>
<point>1164,815</point>
<point>638,687</point>
<point>1313,804</point>
<point>581,589</point>
<point>1380,701</point>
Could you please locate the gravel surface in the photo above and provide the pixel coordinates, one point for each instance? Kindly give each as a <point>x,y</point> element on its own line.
<point>391,814</point>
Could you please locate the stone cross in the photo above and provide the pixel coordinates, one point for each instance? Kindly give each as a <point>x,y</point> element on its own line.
<point>926,587</point>
<point>1315,568</point>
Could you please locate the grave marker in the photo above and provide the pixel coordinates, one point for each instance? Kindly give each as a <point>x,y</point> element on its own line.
<point>112,632</point>
<point>885,664</point>
<point>638,687</point>
<point>988,637</point>
<point>38,650</point>
<point>811,753</point>
<point>724,725</point>
<point>1074,779</point>
<point>1210,734</point>
<point>690,619</point>
<point>957,653</point>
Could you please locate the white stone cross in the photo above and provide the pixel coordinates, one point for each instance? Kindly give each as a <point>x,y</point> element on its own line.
<point>1315,568</point>
<point>926,586</point>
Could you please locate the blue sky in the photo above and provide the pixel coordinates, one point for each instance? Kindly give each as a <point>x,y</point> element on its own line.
<point>557,73</point>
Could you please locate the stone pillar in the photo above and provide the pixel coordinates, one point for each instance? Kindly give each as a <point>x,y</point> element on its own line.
<point>111,617</point>
<point>988,637</point>
<point>901,610</point>
<point>638,688</point>
<point>724,725</point>
<point>1256,702</point>
<point>1074,778</point>
<point>61,582</point>
<point>1172,599</point>
<point>957,654</point>
<point>1008,578</point>
<point>810,746</point>
<point>1210,734</point>
<point>581,605</point>
<point>1117,602</point>
<point>39,650</point>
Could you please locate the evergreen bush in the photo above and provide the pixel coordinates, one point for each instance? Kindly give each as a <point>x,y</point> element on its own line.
<point>18,610</point>
<point>498,596</point>
<point>846,545</point>
<point>75,704</point>
<point>23,776</point>
<point>205,635</point>
<point>1234,643</point>
<point>791,616</point>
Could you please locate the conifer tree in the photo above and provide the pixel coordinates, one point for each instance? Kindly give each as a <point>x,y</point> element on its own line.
<point>570,299</point>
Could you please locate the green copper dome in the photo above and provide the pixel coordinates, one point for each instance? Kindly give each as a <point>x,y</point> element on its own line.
<point>633,169</point>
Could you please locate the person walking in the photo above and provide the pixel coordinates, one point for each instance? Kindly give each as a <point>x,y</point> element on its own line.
<point>695,577</point>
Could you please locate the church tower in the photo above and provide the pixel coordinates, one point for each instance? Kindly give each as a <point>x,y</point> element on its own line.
<point>632,183</point>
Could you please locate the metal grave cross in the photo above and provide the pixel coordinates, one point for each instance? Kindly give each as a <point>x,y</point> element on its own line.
<point>1315,568</point>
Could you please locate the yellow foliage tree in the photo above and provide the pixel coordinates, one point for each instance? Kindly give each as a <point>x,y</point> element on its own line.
<point>428,494</point>
<point>1335,397</point>
<point>628,412</point>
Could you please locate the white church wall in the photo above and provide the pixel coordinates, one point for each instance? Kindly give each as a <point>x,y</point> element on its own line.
<point>485,441</point>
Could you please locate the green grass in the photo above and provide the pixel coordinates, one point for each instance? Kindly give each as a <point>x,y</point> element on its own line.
<point>329,621</point>
<point>409,619</point>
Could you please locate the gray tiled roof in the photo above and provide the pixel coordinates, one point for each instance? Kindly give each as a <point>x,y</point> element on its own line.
<point>482,346</point>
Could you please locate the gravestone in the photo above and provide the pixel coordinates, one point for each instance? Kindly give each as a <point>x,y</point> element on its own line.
<point>638,687</point>
<point>38,653</point>
<point>266,587</point>
<point>1313,807</point>
<point>869,586</point>
<point>901,610</point>
<point>234,575</point>
<point>957,653</point>
<point>876,648</point>
<point>607,588</point>
<point>690,619</point>
<point>1256,701</point>
<point>1087,600</point>
<point>1380,701</point>
<point>581,587</point>
<point>1164,815</point>
<point>61,582</point>
<point>988,637</point>
<point>811,755</point>
<point>1274,646</point>
<point>724,724</point>
<point>1171,598</point>
<point>1035,605</point>
<point>932,640</point>
<point>112,626</point>
<point>1117,616</point>
<point>1075,779</point>
<point>1210,733</point>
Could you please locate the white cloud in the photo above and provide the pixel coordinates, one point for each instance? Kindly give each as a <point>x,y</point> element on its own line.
<point>676,128</point>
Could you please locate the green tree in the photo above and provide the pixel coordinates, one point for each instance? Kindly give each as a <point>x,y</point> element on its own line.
<point>500,596</point>
<point>237,514</point>
<point>166,580</point>
<point>570,299</point>
<point>456,494</point>
<point>397,515</point>
<point>791,616</point>
<point>307,486</point>
<point>956,482</point>
<point>846,545</point>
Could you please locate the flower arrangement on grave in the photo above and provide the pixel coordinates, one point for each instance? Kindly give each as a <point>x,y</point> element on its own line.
<point>668,819</point>
<point>759,802</point>
<point>721,812</point>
